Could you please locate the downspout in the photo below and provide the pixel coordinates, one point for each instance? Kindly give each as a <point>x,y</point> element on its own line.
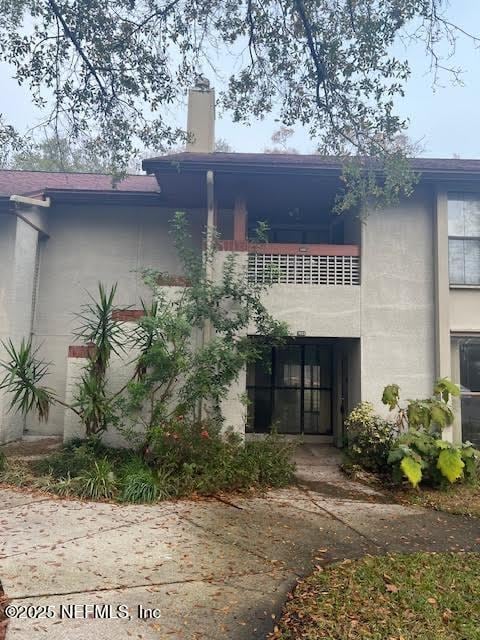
<point>210,221</point>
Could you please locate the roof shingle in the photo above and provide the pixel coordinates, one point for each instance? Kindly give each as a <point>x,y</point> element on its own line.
<point>35,182</point>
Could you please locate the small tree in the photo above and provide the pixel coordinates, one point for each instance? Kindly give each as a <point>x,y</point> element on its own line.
<point>419,453</point>
<point>60,153</point>
<point>177,371</point>
<point>432,414</point>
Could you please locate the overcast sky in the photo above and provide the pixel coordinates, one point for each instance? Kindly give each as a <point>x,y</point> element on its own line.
<point>446,119</point>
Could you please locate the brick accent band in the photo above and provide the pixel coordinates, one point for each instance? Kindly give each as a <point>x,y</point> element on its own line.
<point>165,280</point>
<point>127,315</point>
<point>80,350</point>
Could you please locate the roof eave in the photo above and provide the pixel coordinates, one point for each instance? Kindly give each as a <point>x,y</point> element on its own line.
<point>82,196</point>
<point>241,166</point>
<point>155,166</point>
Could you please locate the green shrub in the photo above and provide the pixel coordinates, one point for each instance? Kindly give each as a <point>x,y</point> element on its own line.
<point>181,441</point>
<point>271,461</point>
<point>70,460</point>
<point>140,483</point>
<point>67,486</point>
<point>78,456</point>
<point>3,461</point>
<point>418,453</point>
<point>182,458</point>
<point>202,459</point>
<point>369,438</point>
<point>423,457</point>
<point>99,481</point>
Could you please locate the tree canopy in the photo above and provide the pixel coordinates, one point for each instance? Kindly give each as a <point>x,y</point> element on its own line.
<point>58,153</point>
<point>120,66</point>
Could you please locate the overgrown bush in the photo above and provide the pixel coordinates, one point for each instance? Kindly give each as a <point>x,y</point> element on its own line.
<point>71,460</point>
<point>424,457</point>
<point>3,460</point>
<point>411,446</point>
<point>369,438</point>
<point>203,459</point>
<point>183,458</point>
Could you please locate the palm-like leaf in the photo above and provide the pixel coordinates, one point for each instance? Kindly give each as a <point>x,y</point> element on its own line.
<point>24,373</point>
<point>99,326</point>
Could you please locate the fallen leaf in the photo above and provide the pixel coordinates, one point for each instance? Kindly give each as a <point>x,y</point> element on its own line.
<point>391,588</point>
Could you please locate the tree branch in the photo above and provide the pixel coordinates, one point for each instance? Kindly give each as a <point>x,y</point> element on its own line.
<point>74,40</point>
<point>320,73</point>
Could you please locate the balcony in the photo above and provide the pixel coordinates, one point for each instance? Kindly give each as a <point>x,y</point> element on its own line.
<point>322,264</point>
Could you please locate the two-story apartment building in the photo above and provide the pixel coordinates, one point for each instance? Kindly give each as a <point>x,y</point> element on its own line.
<point>393,298</point>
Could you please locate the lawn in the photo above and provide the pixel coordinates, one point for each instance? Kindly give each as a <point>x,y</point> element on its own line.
<point>399,597</point>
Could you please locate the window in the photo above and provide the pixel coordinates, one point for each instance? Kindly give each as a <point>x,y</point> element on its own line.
<point>470,388</point>
<point>464,238</point>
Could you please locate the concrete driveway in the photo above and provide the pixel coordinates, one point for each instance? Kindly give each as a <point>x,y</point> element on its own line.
<point>196,570</point>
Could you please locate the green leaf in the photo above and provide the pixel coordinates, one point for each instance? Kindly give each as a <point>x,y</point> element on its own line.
<point>390,396</point>
<point>395,455</point>
<point>412,470</point>
<point>468,451</point>
<point>445,388</point>
<point>418,413</point>
<point>441,415</point>
<point>450,464</point>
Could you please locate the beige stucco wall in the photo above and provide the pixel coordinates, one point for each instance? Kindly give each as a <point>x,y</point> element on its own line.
<point>397,300</point>
<point>464,310</point>
<point>326,311</point>
<point>87,245</point>
<point>392,312</point>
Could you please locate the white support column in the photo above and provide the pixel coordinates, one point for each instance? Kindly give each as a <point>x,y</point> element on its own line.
<point>18,262</point>
<point>442,290</point>
<point>443,346</point>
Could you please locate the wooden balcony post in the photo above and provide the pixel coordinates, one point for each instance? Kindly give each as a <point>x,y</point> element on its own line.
<point>240,220</point>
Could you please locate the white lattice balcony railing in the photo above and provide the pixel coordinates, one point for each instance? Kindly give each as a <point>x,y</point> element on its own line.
<point>303,269</point>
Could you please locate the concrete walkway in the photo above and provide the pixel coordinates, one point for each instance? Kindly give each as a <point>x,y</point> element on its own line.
<point>212,569</point>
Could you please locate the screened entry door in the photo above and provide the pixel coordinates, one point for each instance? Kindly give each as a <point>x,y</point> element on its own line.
<point>292,391</point>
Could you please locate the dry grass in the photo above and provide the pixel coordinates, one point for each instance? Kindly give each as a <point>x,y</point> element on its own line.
<point>462,499</point>
<point>400,597</point>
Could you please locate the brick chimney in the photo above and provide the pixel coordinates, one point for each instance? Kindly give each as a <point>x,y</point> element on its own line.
<point>201,117</point>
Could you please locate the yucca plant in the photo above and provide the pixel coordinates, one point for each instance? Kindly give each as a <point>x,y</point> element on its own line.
<point>24,375</point>
<point>100,329</point>
<point>25,371</point>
